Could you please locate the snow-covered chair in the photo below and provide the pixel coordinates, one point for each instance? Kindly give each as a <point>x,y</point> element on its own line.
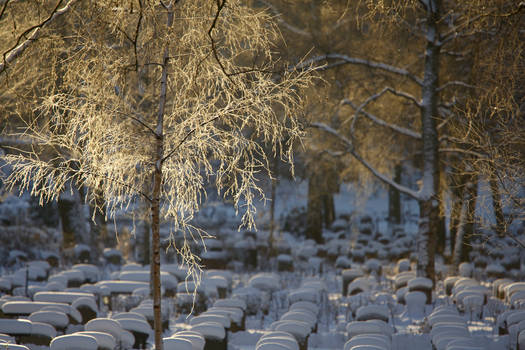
<point>373,312</point>
<point>91,272</point>
<point>268,282</point>
<point>113,327</point>
<point>16,328</point>
<point>359,285</point>
<point>442,340</point>
<point>379,340</point>
<point>303,316</point>
<point>231,302</point>
<point>87,308</point>
<point>195,338</point>
<point>74,341</point>
<point>176,344</point>
<point>105,341</point>
<point>499,285</point>
<point>7,346</point>
<point>449,283</point>
<point>299,329</point>
<point>236,316</point>
<point>57,319</point>
<point>355,328</point>
<point>463,343</point>
<point>205,317</point>
<point>6,338</point>
<point>415,302</point>
<point>140,329</point>
<point>402,278</point>
<point>281,342</point>
<point>348,276</point>
<point>421,284</point>
<point>113,256</point>
<point>213,333</point>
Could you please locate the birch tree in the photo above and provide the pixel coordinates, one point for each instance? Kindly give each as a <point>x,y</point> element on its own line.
<point>155,101</point>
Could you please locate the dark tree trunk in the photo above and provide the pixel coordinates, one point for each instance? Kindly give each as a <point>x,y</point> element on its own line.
<point>394,198</point>
<point>498,208</point>
<point>471,194</point>
<point>314,212</point>
<point>72,217</point>
<point>429,201</point>
<point>275,174</point>
<point>328,209</point>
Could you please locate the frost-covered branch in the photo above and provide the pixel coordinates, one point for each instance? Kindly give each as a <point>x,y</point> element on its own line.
<point>31,35</point>
<point>381,122</point>
<point>344,59</point>
<point>456,83</point>
<point>350,148</point>
<point>279,18</point>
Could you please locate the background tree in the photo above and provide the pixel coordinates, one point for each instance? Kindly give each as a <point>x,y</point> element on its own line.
<point>155,101</point>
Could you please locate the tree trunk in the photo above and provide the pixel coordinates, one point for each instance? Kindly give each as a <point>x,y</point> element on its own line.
<point>314,211</point>
<point>498,208</point>
<point>155,197</point>
<point>429,202</point>
<point>328,208</point>
<point>72,216</point>
<point>98,226</point>
<point>394,198</point>
<point>275,174</point>
<point>458,185</point>
<point>471,194</point>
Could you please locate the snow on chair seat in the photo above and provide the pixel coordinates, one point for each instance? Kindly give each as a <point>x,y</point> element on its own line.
<point>7,346</point>
<point>15,327</point>
<point>300,330</point>
<point>61,297</point>
<point>104,340</point>
<point>355,328</point>
<point>56,319</point>
<point>287,341</point>
<point>106,325</point>
<point>402,278</point>
<point>444,318</point>
<point>305,305</point>
<point>140,329</point>
<point>368,339</point>
<point>207,317</point>
<point>371,312</point>
<point>121,287</point>
<point>441,341</point>
<point>231,302</point>
<point>301,315</point>
<point>197,340</point>
<point>74,342</point>
<point>268,282</point>
<point>512,288</point>
<point>176,344</point>
<point>271,346</point>
<point>132,315</point>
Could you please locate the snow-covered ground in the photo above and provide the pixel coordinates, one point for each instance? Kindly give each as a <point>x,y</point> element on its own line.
<point>357,288</point>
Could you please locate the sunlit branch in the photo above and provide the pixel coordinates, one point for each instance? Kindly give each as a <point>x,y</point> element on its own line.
<point>34,32</point>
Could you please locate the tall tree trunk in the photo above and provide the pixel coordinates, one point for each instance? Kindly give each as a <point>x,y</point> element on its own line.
<point>465,229</point>
<point>314,210</point>
<point>429,203</point>
<point>394,198</point>
<point>98,225</point>
<point>275,174</point>
<point>71,212</point>
<point>328,208</point>
<point>471,195</point>
<point>458,185</point>
<point>156,193</point>
<point>498,208</point>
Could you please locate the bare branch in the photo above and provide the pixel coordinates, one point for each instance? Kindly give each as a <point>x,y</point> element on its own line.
<point>350,148</point>
<point>11,54</point>
<point>344,59</point>
<point>456,83</point>
<point>379,121</point>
